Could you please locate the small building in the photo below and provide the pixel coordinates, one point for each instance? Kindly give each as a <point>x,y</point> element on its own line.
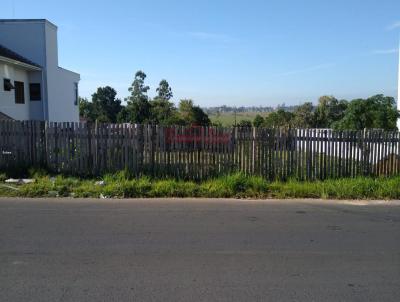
<point>33,86</point>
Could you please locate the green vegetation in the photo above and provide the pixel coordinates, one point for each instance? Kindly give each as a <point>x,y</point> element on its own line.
<point>122,185</point>
<point>140,108</point>
<point>227,119</point>
<point>376,112</point>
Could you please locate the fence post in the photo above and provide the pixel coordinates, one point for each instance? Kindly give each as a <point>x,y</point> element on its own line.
<point>89,126</point>
<point>152,145</point>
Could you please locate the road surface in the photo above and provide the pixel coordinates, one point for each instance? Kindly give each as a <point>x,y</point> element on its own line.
<point>199,250</point>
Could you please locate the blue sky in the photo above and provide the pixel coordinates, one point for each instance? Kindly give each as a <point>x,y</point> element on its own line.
<point>228,52</point>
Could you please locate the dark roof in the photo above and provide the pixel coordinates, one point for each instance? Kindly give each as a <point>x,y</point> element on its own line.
<point>5,117</point>
<point>8,53</point>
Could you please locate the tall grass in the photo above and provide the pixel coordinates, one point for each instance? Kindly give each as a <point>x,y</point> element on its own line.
<point>123,185</point>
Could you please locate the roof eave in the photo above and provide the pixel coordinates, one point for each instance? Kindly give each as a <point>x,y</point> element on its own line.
<point>20,64</point>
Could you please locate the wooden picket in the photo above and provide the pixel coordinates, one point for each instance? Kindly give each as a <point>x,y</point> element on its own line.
<point>198,152</point>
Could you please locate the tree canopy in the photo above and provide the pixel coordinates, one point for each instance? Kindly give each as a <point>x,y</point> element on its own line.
<point>376,112</point>
<point>140,108</point>
<point>104,107</point>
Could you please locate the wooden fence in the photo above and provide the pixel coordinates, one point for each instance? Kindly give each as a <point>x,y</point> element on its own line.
<point>198,152</point>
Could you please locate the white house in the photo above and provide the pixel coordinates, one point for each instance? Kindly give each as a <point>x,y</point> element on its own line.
<point>33,86</point>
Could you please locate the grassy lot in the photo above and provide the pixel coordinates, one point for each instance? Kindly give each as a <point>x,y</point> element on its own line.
<point>228,119</point>
<point>120,185</point>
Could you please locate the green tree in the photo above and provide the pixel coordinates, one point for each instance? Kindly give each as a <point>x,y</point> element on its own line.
<point>164,112</point>
<point>245,124</point>
<point>303,116</point>
<point>258,121</point>
<point>377,112</point>
<point>199,117</point>
<point>123,115</point>
<point>279,118</point>
<point>138,108</point>
<point>185,108</point>
<point>192,115</point>
<point>105,104</point>
<point>164,91</point>
<point>387,113</point>
<point>329,111</point>
<point>86,110</point>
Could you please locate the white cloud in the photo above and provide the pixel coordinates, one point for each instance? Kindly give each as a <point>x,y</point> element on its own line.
<point>205,36</point>
<point>393,26</point>
<point>306,69</point>
<point>385,51</point>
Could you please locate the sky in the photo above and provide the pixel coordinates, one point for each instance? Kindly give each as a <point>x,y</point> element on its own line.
<point>237,53</point>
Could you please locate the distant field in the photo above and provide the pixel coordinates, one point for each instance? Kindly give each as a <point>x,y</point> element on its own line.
<point>228,119</point>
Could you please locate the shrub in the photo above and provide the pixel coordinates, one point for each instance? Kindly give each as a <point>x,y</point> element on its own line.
<point>3,177</point>
<point>40,188</point>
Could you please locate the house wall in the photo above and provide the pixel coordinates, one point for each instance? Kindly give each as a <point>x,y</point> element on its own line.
<point>7,98</point>
<point>25,38</point>
<point>60,83</point>
<point>62,91</point>
<point>36,110</point>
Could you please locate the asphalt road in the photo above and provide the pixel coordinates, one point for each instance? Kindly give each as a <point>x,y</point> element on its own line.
<point>199,250</point>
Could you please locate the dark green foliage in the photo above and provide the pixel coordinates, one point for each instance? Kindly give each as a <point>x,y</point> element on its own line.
<point>164,112</point>
<point>245,123</point>
<point>138,108</point>
<point>192,115</point>
<point>258,121</point>
<point>86,110</point>
<point>105,104</point>
<point>377,112</point>
<point>104,107</point>
<point>329,111</point>
<point>304,117</point>
<point>164,91</point>
<point>279,118</point>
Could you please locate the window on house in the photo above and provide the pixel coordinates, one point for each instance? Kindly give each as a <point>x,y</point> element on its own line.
<point>34,92</point>
<point>76,94</point>
<point>7,85</point>
<point>19,92</point>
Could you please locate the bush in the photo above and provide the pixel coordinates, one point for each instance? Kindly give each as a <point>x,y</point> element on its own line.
<point>174,188</point>
<point>3,177</point>
<point>40,188</point>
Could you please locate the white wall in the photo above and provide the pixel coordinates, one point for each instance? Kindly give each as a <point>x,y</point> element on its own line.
<point>60,83</point>
<point>62,95</point>
<point>7,98</point>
